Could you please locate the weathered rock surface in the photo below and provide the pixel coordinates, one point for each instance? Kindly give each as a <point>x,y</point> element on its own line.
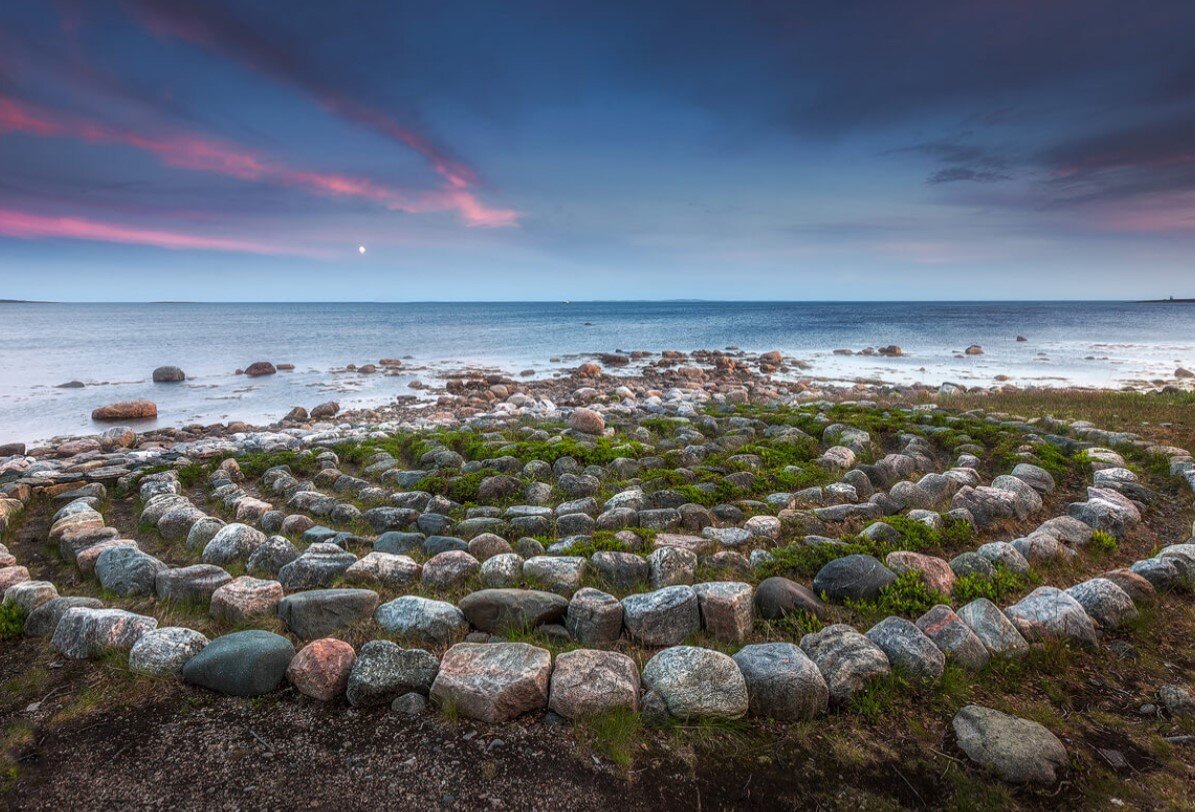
<point>697,683</point>
<point>847,659</point>
<point>1017,750</point>
<point>248,663</point>
<point>587,682</point>
<point>163,652</point>
<point>782,682</point>
<point>493,682</point>
<point>385,671</point>
<point>321,668</point>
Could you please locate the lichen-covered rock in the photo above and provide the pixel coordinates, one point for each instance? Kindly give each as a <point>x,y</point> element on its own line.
<point>1017,750</point>
<point>587,682</point>
<point>128,572</point>
<point>696,683</point>
<point>559,574</point>
<point>422,619</point>
<point>203,531</point>
<point>271,556</point>
<point>908,649</point>
<point>502,571</point>
<point>163,652</point>
<point>448,569</point>
<point>233,543</point>
<point>321,668</point>
<point>1047,612</point>
<point>664,617</point>
<point>385,671</point>
<point>43,620</point>
<point>621,570</point>
<point>83,633</point>
<point>1162,573</point>
<point>847,659</point>
<point>1003,553</point>
<point>954,637</point>
<point>671,566</point>
<point>782,682</point>
<point>190,585</point>
<point>319,565</point>
<point>493,682</point>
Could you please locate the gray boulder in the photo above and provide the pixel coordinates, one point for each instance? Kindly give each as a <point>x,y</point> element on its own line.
<point>1047,612</point>
<point>852,577</point>
<point>664,617</point>
<point>423,619</point>
<point>782,683</point>
<point>385,671</point>
<point>499,611</point>
<point>954,638</point>
<point>696,683</point>
<point>993,628</point>
<point>594,617</point>
<point>847,660</point>
<point>192,585</point>
<point>83,632</point>
<point>908,649</point>
<point>163,652</point>
<point>248,663</point>
<point>322,612</point>
<point>778,597</point>
<point>1104,601</point>
<point>43,620</point>
<point>232,543</point>
<point>271,556</point>
<point>1017,750</point>
<point>127,571</point>
<point>319,566</point>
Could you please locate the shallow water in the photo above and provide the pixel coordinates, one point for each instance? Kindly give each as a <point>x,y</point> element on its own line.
<point>114,347</point>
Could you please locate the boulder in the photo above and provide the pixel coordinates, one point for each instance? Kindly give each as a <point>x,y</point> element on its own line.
<point>248,663</point>
<point>1104,601</point>
<point>449,569</point>
<point>697,683</point>
<point>559,574</point>
<point>233,543</point>
<point>664,617</point>
<point>726,609</point>
<point>993,628</point>
<point>126,410</point>
<point>493,682</point>
<point>385,671</point>
<point>852,577</point>
<point>500,611</point>
<point>586,683</point>
<point>83,633</point>
<point>163,652</point>
<point>128,572</point>
<point>194,584</point>
<point>594,617</point>
<point>319,566</point>
<point>321,668</point>
<point>321,612</point>
<point>168,375</point>
<point>908,649</point>
<point>390,571</point>
<point>423,619</point>
<point>43,620</point>
<point>1017,750</point>
<point>782,683</point>
<point>271,556</point>
<point>1049,612</point>
<point>778,597</point>
<point>587,421</point>
<point>846,659</point>
<point>670,566</point>
<point>244,598</point>
<point>502,571</point>
<point>28,595</point>
<point>935,572</point>
<point>259,368</point>
<point>620,570</point>
<point>954,638</point>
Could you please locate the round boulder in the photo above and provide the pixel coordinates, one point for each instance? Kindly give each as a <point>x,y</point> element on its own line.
<point>697,683</point>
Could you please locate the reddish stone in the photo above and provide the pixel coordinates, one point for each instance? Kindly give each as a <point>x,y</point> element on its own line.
<point>321,669</point>
<point>127,410</point>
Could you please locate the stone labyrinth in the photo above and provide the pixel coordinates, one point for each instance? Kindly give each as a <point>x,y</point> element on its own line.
<point>747,561</point>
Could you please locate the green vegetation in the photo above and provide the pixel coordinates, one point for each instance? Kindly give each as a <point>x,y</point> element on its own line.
<point>976,585</point>
<point>253,465</point>
<point>614,734</point>
<point>1104,542</point>
<point>12,621</point>
<point>907,596</point>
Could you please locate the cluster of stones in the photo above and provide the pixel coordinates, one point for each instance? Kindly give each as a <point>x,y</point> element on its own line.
<point>488,678</point>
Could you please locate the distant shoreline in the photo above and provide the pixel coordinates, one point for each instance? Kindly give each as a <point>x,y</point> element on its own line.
<point>1164,301</point>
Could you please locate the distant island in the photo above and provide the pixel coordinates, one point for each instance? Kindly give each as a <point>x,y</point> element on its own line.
<point>1170,300</point>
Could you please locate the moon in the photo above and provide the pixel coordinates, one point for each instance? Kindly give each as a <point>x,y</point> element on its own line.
<point>360,249</point>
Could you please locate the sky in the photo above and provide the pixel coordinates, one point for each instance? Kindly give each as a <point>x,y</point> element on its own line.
<point>924,149</point>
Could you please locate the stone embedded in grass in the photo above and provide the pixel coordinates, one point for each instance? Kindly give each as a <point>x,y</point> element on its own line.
<point>318,566</point>
<point>321,668</point>
<point>449,569</point>
<point>83,633</point>
<point>493,682</point>
<point>986,505</point>
<point>908,649</point>
<point>232,543</point>
<point>271,556</point>
<point>43,620</point>
<point>935,573</point>
<point>488,545</point>
<point>1048,612</point>
<point>1035,477</point>
<point>852,577</point>
<point>954,638</point>
<point>671,566</point>
<point>782,682</point>
<point>320,612</point>
<point>502,571</point>
<point>1017,750</point>
<point>1182,556</point>
<point>1135,586</point>
<point>847,659</point>
<point>127,571</point>
<point>664,617</point>
<point>559,574</point>
<point>586,421</point>
<point>203,531</point>
<point>587,682</point>
<point>726,609</point>
<point>163,652</point>
<point>1163,573</point>
<point>385,671</point>
<point>28,595</point>
<point>620,570</point>
<point>1040,548</point>
<point>194,584</point>
<point>1003,553</point>
<point>423,619</point>
<point>1106,509</point>
<point>498,611</point>
<point>245,598</point>
<point>697,683</point>
<point>248,663</point>
<point>390,571</point>
<point>993,628</point>
<point>778,597</point>
<point>972,563</point>
<point>176,523</point>
<point>1104,601</point>
<point>594,617</point>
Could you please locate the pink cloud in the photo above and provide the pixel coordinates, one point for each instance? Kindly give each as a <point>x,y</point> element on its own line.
<point>34,226</point>
<point>198,153</point>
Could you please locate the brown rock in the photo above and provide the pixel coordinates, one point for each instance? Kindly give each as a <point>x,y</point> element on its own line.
<point>935,572</point>
<point>126,410</point>
<point>325,410</point>
<point>321,668</point>
<point>12,575</point>
<point>587,421</point>
<point>244,598</point>
<point>493,682</point>
<point>589,370</point>
<point>259,368</point>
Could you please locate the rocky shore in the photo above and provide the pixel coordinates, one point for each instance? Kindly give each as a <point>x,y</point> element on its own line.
<point>639,544</point>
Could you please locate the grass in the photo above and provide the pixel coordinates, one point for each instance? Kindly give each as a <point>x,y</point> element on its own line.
<point>1103,542</point>
<point>995,588</point>
<point>614,734</point>
<point>907,596</point>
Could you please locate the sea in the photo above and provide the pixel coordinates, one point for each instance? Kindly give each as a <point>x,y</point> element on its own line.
<point>112,349</point>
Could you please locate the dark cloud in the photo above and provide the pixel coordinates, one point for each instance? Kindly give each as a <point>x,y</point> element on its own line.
<point>957,174</point>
